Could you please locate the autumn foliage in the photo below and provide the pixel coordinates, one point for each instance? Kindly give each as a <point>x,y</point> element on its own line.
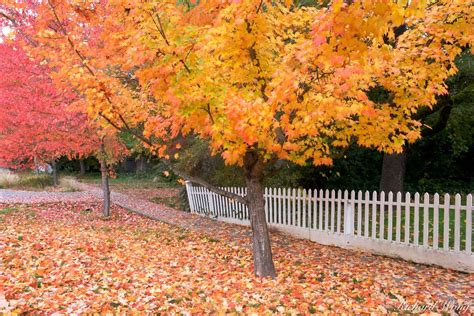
<point>261,81</point>
<point>64,258</point>
<point>36,123</point>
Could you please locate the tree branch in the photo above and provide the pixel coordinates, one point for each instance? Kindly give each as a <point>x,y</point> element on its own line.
<point>207,185</point>
<point>17,27</point>
<point>63,30</point>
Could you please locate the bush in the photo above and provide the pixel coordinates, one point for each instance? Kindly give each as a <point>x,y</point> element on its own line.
<point>25,180</point>
<point>7,179</point>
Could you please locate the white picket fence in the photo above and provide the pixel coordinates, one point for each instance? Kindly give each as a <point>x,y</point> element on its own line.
<point>430,229</point>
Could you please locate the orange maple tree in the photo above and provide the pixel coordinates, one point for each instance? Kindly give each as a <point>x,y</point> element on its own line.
<point>261,81</point>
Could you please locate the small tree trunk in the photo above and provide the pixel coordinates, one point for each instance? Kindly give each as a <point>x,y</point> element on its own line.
<point>35,161</point>
<point>55,173</point>
<point>82,167</point>
<point>262,251</point>
<point>105,187</point>
<point>393,172</point>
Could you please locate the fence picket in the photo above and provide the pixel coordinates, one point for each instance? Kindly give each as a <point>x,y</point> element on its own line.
<point>231,209</point>
<point>346,203</point>
<point>359,213</point>
<point>320,210</point>
<point>390,216</point>
<point>224,205</point>
<point>374,214</point>
<point>339,202</point>
<point>426,217</point>
<point>333,209</point>
<point>367,210</point>
<point>293,207</point>
<point>416,220</point>
<point>205,201</point>
<point>446,222</point>
<point>382,216</point>
<point>315,207</point>
<point>469,223</point>
<point>298,208</point>
<point>199,199</point>
<point>234,206</point>
<point>457,222</point>
<point>267,206</point>
<point>221,206</point>
<point>280,208</point>
<point>398,226</point>
<point>273,205</point>
<point>307,208</point>
<point>407,217</point>
<point>326,210</point>
<point>243,192</point>
<point>353,199</point>
<point>435,220</point>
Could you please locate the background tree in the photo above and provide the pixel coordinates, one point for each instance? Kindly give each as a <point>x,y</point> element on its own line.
<point>450,115</point>
<point>40,123</point>
<point>35,124</point>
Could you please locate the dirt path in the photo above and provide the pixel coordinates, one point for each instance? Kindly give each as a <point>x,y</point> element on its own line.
<point>32,197</point>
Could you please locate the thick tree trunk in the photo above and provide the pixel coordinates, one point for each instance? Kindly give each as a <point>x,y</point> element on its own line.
<point>82,167</point>
<point>393,172</point>
<point>141,165</point>
<point>105,187</point>
<point>262,251</point>
<point>55,173</point>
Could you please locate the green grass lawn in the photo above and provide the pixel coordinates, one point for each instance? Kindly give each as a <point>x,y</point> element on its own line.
<point>411,238</point>
<point>149,180</point>
<point>431,213</point>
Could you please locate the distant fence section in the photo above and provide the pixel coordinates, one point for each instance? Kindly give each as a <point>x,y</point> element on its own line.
<point>430,229</point>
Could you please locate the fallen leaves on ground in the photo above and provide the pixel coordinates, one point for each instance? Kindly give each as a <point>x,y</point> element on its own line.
<point>64,257</point>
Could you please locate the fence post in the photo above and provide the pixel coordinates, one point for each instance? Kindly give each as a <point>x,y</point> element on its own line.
<point>189,192</point>
<point>348,218</point>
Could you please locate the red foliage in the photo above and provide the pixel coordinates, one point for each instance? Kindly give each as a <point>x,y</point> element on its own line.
<point>35,118</point>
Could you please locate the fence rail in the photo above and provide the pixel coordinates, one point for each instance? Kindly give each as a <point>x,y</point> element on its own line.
<point>426,228</point>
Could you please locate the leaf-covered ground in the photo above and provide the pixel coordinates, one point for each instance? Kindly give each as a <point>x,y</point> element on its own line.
<point>64,257</point>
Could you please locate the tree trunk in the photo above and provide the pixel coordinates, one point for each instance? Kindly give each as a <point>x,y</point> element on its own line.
<point>35,161</point>
<point>55,173</point>
<point>262,251</point>
<point>82,167</point>
<point>393,172</point>
<point>141,165</point>
<point>105,187</point>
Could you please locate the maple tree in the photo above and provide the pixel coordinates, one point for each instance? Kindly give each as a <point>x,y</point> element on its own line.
<point>35,123</point>
<point>39,122</point>
<point>35,21</point>
<point>261,81</point>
